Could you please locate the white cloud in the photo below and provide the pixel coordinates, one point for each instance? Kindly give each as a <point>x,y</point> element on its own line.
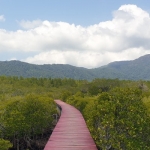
<point>86,59</point>
<point>124,37</point>
<point>13,58</point>
<point>76,58</point>
<point>29,24</point>
<point>2,18</point>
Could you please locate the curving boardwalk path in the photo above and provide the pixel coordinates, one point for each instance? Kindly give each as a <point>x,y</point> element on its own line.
<point>71,132</point>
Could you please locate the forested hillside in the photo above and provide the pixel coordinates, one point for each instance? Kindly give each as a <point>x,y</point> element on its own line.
<point>138,69</point>
<point>17,68</point>
<point>117,112</point>
<point>135,69</point>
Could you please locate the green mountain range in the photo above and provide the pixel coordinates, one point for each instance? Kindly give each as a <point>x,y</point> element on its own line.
<point>138,69</point>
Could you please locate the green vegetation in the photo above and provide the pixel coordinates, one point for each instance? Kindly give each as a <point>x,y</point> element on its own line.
<point>5,144</point>
<point>117,112</point>
<point>119,120</point>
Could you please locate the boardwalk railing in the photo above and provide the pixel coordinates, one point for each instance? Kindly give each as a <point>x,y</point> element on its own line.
<point>71,132</point>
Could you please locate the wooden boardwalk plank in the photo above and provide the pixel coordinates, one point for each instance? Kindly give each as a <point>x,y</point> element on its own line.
<point>71,132</point>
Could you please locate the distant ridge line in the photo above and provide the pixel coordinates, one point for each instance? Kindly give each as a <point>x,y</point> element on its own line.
<point>138,69</point>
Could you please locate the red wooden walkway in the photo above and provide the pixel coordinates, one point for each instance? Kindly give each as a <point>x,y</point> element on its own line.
<point>71,132</point>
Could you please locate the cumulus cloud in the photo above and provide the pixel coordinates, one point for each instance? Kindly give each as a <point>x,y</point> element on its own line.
<point>124,37</point>
<point>2,18</point>
<point>87,59</point>
<point>76,58</point>
<point>29,24</point>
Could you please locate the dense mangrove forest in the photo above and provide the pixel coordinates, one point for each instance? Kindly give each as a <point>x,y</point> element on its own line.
<point>117,112</point>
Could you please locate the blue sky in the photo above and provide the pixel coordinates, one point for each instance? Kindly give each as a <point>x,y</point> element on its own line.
<point>83,33</point>
<point>79,12</point>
